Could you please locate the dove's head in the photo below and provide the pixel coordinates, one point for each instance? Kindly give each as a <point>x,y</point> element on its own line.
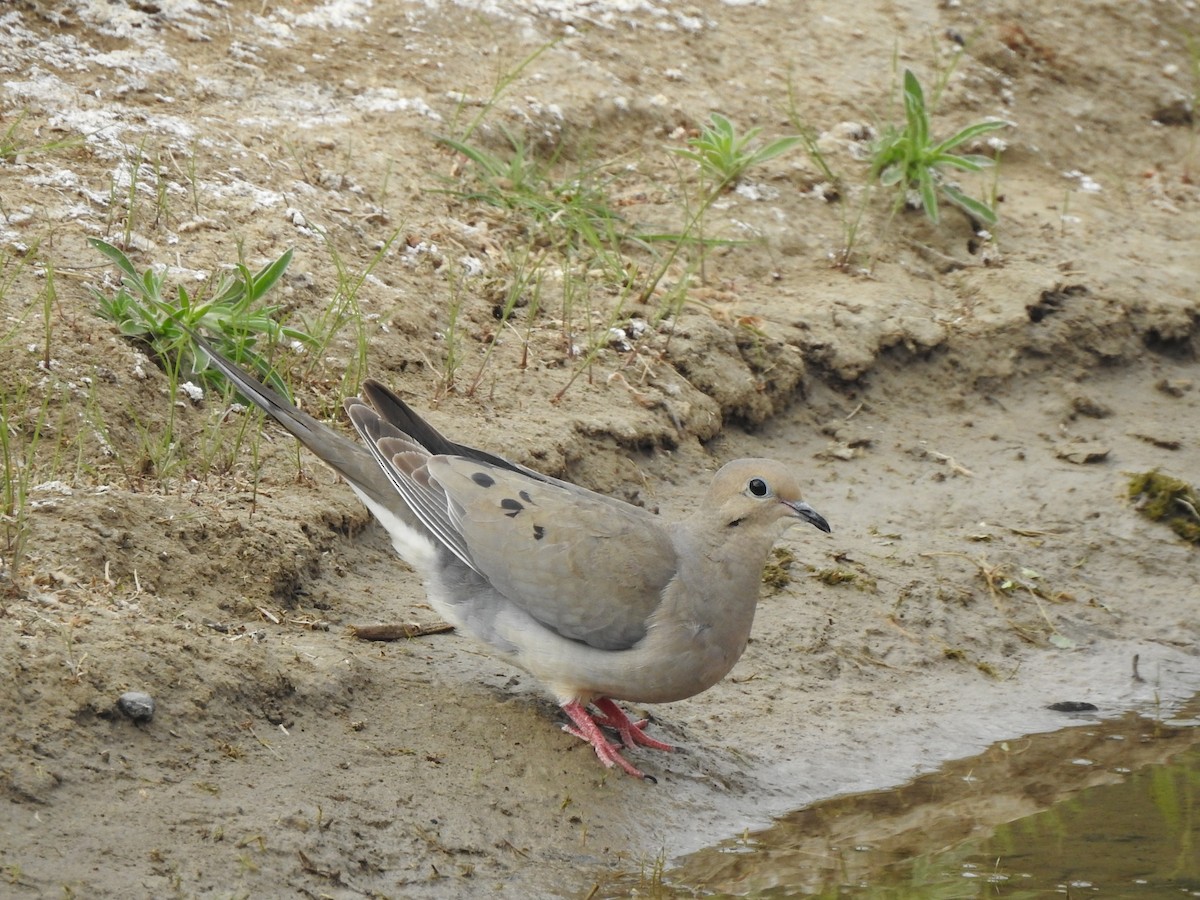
<point>760,491</point>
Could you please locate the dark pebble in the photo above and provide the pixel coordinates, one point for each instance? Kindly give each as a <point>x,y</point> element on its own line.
<point>137,705</point>
<point>1073,706</point>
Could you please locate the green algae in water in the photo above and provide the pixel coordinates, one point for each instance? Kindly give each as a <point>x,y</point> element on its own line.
<point>1171,501</point>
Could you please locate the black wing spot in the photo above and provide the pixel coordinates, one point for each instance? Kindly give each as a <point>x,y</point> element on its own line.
<point>524,495</point>
<point>538,532</point>
<point>513,506</point>
<point>483,479</point>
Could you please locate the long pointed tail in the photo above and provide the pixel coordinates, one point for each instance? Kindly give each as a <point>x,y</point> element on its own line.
<point>348,459</point>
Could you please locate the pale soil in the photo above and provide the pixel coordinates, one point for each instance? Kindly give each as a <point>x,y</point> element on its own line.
<point>938,424</point>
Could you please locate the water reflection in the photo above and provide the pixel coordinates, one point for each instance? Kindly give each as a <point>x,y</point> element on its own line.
<point>1105,809</point>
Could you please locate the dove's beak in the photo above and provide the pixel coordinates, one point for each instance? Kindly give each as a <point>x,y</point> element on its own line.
<point>802,510</point>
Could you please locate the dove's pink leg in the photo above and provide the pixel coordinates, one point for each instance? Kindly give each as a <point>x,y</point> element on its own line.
<point>632,733</point>
<point>586,729</point>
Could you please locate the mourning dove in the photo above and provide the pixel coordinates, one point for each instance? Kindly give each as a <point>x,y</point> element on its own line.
<point>597,599</point>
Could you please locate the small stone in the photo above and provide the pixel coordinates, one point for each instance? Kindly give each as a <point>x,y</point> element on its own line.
<point>840,451</point>
<point>1174,387</point>
<point>1174,109</point>
<point>1093,409</point>
<point>139,706</point>
<point>1082,453</point>
<point>1073,706</point>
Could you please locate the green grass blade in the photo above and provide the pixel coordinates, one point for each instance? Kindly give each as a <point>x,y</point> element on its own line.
<point>891,176</point>
<point>914,110</point>
<point>970,133</point>
<point>688,154</point>
<point>121,260</point>
<point>972,163</point>
<point>775,148</point>
<point>490,164</point>
<point>975,208</point>
<point>928,192</point>
<point>722,126</point>
<point>268,275</point>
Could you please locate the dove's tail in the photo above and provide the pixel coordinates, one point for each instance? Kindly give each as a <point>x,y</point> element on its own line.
<point>348,459</point>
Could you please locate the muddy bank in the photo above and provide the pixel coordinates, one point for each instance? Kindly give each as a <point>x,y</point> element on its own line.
<point>963,408</point>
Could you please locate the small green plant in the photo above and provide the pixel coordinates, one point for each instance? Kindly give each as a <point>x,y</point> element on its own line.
<point>189,171</point>
<point>452,336</point>
<point>344,310</point>
<point>35,445</point>
<point>524,287</point>
<point>37,434</point>
<point>571,214</point>
<point>504,80</point>
<point>507,181</point>
<point>232,318</point>
<point>599,334</point>
<point>851,215</point>
<point>568,224</point>
<point>14,144</point>
<point>908,159</point>
<point>724,156</point>
<point>1191,45</point>
<point>17,451</point>
<point>568,227</point>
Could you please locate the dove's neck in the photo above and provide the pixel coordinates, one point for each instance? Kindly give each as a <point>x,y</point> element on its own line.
<point>704,621</point>
<point>727,560</point>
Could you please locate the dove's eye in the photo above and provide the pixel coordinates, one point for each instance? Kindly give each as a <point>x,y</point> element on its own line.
<point>758,487</point>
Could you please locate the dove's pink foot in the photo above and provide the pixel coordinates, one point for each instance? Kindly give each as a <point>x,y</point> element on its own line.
<point>587,729</point>
<point>632,733</point>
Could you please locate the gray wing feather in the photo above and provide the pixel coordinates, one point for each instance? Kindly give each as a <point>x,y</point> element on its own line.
<point>553,550</point>
<point>404,463</point>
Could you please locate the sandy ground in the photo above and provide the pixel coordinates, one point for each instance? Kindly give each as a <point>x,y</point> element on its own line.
<point>965,409</point>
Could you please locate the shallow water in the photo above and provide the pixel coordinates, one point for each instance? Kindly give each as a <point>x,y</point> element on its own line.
<point>1106,808</point>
